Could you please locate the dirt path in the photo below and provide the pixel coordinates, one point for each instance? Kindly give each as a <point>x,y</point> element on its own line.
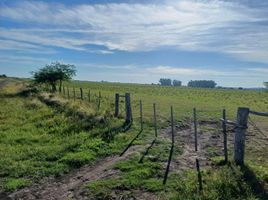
<point>70,186</point>
<point>210,144</point>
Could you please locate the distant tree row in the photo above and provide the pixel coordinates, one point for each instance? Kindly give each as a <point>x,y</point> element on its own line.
<point>266,84</point>
<point>202,83</point>
<point>177,83</point>
<point>169,82</point>
<point>195,83</point>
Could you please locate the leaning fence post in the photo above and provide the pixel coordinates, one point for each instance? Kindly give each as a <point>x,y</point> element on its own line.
<point>195,129</point>
<point>81,93</point>
<point>240,131</point>
<point>224,136</point>
<point>116,105</point>
<point>128,108</point>
<point>155,122</point>
<point>141,119</point>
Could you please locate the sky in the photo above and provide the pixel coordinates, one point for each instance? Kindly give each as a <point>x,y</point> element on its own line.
<point>138,41</point>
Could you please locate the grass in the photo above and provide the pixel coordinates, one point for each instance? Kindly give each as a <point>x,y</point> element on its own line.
<point>38,140</point>
<point>223,183</point>
<point>209,102</point>
<point>48,135</point>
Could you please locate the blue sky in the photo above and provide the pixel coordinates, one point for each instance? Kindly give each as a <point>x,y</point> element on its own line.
<point>139,41</point>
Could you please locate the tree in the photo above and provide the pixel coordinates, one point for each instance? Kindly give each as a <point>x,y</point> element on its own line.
<point>165,81</point>
<point>53,73</point>
<point>265,84</point>
<point>176,83</point>
<point>202,83</point>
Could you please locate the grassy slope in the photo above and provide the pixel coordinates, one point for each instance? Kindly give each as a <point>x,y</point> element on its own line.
<point>35,148</point>
<point>38,141</point>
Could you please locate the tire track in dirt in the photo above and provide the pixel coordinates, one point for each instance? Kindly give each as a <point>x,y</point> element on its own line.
<point>70,186</point>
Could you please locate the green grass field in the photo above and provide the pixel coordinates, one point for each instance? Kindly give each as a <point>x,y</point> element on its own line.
<point>209,102</point>
<point>41,139</point>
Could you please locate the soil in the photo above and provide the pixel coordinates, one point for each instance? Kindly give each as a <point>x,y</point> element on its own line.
<point>71,186</point>
<point>210,144</point>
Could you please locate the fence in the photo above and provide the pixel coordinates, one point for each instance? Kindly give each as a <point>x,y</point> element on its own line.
<point>239,126</point>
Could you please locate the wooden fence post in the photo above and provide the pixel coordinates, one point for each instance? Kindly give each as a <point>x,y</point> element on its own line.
<point>88,95</point>
<point>63,90</point>
<point>172,125</point>
<point>60,87</point>
<point>172,146</point>
<point>81,93</point>
<point>195,129</point>
<point>240,131</point>
<point>155,122</point>
<point>128,108</point>
<point>74,93</point>
<point>99,100</point>
<point>141,117</point>
<point>199,175</point>
<point>116,105</point>
<point>224,136</point>
<point>68,93</point>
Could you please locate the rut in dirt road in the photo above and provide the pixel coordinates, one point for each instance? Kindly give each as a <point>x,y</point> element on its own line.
<point>70,185</point>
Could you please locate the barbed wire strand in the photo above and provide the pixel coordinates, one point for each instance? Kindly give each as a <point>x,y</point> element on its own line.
<point>251,122</point>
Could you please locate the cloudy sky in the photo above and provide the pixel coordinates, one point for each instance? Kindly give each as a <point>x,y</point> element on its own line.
<point>137,40</point>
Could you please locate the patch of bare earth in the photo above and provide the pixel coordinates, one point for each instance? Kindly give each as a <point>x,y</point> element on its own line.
<point>70,186</point>
<point>210,144</point>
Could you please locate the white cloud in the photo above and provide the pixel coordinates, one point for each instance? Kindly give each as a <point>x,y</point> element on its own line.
<point>23,59</point>
<point>168,70</point>
<point>205,72</point>
<point>103,66</point>
<point>258,70</point>
<point>23,47</point>
<point>194,25</point>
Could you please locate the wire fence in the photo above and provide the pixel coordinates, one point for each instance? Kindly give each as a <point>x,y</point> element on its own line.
<point>152,113</point>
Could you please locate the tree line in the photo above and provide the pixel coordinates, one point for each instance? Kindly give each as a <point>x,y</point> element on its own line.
<point>56,72</point>
<point>169,82</point>
<point>202,83</point>
<point>192,83</point>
